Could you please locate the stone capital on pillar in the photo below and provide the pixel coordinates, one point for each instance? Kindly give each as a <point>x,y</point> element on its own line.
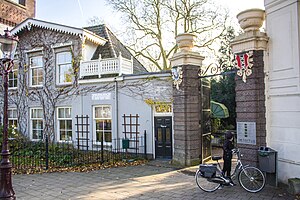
<point>252,39</point>
<point>186,56</point>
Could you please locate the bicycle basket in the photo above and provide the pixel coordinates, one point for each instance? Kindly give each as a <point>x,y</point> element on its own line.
<point>208,171</point>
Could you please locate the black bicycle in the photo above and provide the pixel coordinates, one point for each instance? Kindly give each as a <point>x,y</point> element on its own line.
<point>209,177</point>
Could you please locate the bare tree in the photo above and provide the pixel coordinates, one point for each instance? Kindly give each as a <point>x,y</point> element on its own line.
<point>49,94</point>
<point>153,25</point>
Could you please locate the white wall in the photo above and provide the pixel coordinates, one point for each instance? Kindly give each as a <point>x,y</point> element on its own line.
<point>283,85</point>
<point>89,50</point>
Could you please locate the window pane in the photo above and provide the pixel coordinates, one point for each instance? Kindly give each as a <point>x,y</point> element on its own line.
<point>64,67</point>
<point>107,137</point>
<point>65,73</point>
<point>99,124</point>
<point>15,83</point>
<point>106,112</point>
<point>40,134</point>
<point>37,134</point>
<point>68,57</point>
<point>99,136</point>
<point>10,83</point>
<point>69,135</point>
<point>36,61</point>
<point>168,135</point>
<point>98,111</point>
<point>13,123</point>
<point>62,135</point>
<point>64,57</point>
<point>10,114</point>
<point>69,124</point>
<point>39,113</point>
<point>62,125</point>
<point>40,80</point>
<point>61,113</point>
<point>60,58</point>
<point>159,135</point>
<point>39,72</point>
<point>34,134</point>
<point>15,114</point>
<point>22,2</point>
<point>36,113</point>
<point>107,124</point>
<point>68,112</point>
<point>37,75</point>
<point>33,113</point>
<point>37,124</point>
<point>13,78</point>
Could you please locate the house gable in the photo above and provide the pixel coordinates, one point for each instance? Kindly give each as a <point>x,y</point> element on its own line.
<point>113,47</point>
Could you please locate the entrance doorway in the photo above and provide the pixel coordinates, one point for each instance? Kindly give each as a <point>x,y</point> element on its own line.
<point>163,137</point>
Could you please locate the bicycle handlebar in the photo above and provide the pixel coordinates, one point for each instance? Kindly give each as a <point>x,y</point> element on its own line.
<point>235,150</point>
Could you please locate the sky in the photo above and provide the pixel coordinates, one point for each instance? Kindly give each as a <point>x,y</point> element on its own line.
<point>77,12</point>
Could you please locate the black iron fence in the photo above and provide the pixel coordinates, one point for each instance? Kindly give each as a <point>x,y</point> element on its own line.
<point>42,155</point>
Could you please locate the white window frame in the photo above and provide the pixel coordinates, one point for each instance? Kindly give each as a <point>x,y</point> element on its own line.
<point>58,66</point>
<point>104,118</point>
<point>31,123</point>
<point>13,118</point>
<point>35,67</point>
<point>59,119</point>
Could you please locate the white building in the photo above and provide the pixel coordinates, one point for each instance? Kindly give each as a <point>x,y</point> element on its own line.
<point>283,84</point>
<point>83,84</point>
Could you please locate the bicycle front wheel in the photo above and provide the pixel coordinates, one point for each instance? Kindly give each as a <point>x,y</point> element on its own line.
<point>252,179</point>
<point>204,183</point>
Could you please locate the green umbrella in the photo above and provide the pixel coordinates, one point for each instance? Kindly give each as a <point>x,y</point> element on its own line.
<point>218,110</point>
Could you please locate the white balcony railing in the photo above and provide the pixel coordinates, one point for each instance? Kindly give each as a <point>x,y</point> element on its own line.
<point>100,67</point>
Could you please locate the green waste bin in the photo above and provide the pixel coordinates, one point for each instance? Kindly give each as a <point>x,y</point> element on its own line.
<point>125,143</point>
<point>267,159</point>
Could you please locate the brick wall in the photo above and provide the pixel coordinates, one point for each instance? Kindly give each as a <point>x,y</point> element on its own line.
<point>13,13</point>
<point>187,115</point>
<point>250,106</point>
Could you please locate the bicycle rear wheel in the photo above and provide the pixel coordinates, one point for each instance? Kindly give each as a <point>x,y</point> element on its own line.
<point>204,183</point>
<point>252,179</point>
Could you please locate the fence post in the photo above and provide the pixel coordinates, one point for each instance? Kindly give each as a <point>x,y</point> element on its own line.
<point>102,151</point>
<point>47,153</point>
<point>145,144</point>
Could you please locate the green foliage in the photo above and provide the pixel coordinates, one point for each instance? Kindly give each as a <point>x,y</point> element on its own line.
<point>30,157</point>
<point>223,91</point>
<point>215,125</point>
<point>223,87</point>
<point>12,133</point>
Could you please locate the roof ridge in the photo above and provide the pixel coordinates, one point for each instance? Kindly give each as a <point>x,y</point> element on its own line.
<point>94,26</point>
<point>109,41</point>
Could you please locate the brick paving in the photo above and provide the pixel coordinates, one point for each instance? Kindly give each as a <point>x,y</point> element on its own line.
<point>155,180</point>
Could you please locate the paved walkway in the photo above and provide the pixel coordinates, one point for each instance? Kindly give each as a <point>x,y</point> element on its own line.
<point>155,180</point>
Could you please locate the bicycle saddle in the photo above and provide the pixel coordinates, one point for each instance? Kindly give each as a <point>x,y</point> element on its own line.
<point>216,157</point>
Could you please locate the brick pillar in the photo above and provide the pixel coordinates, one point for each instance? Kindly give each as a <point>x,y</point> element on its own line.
<point>250,92</point>
<point>187,104</point>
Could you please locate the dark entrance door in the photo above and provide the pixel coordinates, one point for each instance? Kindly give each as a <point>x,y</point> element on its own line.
<point>163,137</point>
